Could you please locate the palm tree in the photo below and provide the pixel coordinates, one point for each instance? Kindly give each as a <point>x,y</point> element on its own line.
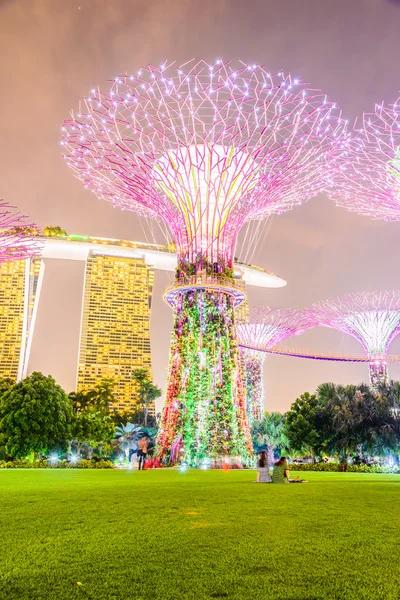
<point>378,420</point>
<point>341,405</point>
<point>127,436</point>
<point>148,392</point>
<point>269,434</point>
<point>104,394</point>
<point>82,400</point>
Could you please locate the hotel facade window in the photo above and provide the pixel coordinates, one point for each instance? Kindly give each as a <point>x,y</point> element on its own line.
<point>115,328</point>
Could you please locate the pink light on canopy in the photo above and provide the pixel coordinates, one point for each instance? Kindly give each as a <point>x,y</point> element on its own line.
<point>17,235</point>
<point>266,327</point>
<point>368,178</point>
<point>205,147</point>
<point>373,318</point>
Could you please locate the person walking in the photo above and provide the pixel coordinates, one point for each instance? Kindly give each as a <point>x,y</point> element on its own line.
<point>142,451</point>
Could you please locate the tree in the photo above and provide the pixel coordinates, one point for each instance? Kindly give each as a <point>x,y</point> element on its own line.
<point>54,231</point>
<point>100,399</point>
<point>347,420</point>
<point>341,403</point>
<point>147,391</point>
<point>82,400</point>
<point>269,434</point>
<point>305,425</point>
<point>6,383</point>
<point>392,393</point>
<point>103,395</point>
<point>35,416</point>
<point>136,416</point>
<point>360,420</point>
<point>379,419</point>
<point>91,429</point>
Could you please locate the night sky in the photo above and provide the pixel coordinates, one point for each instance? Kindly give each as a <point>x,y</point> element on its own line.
<point>52,52</point>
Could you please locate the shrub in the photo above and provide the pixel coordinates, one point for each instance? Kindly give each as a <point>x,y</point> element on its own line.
<point>337,467</point>
<point>23,463</point>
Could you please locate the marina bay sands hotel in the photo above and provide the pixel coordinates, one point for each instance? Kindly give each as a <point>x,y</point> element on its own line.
<point>115,299</point>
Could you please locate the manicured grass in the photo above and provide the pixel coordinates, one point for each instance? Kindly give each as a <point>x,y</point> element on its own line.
<point>167,535</point>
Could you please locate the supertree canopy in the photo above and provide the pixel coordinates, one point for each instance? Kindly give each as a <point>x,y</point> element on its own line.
<point>368,178</point>
<point>18,239</point>
<point>204,147</point>
<point>266,327</point>
<point>373,318</point>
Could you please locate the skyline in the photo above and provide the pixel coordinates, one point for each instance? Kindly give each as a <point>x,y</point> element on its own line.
<point>322,251</point>
<point>39,354</point>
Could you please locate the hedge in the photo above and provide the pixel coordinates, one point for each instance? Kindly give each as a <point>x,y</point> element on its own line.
<point>23,463</point>
<point>337,467</point>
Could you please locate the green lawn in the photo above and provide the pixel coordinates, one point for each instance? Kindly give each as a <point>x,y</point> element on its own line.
<point>167,535</point>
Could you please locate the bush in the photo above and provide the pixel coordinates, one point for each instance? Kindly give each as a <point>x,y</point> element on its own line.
<point>92,464</point>
<point>337,467</point>
<point>315,467</point>
<point>23,463</point>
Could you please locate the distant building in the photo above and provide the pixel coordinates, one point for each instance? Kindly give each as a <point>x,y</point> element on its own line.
<point>19,294</point>
<point>115,329</point>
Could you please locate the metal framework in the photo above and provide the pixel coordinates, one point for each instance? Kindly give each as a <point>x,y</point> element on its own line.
<point>205,147</point>
<point>18,239</point>
<point>373,318</point>
<point>367,180</point>
<point>265,328</point>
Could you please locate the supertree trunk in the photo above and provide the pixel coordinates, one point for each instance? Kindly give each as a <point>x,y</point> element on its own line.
<point>254,388</point>
<point>378,373</point>
<point>205,405</point>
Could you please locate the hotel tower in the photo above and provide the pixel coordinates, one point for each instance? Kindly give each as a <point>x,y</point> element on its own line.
<point>115,297</point>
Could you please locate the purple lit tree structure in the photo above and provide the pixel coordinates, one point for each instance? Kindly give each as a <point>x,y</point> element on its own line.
<point>17,235</point>
<point>204,147</point>
<point>368,178</point>
<point>373,318</point>
<point>266,327</point>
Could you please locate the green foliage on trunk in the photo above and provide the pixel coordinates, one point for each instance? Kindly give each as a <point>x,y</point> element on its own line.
<point>54,231</point>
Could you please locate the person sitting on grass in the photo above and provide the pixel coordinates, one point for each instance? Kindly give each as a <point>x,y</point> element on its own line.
<point>280,473</point>
<point>263,475</point>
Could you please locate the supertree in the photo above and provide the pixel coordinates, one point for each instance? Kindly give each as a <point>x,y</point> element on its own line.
<point>265,327</point>
<point>204,147</point>
<point>367,180</point>
<point>373,318</point>
<point>18,239</point>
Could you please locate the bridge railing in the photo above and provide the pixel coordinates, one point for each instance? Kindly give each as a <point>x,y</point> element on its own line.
<point>307,353</point>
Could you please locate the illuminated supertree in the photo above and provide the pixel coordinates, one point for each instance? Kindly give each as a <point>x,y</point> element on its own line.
<point>18,239</point>
<point>266,327</point>
<point>373,318</point>
<point>204,147</point>
<point>368,178</point>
